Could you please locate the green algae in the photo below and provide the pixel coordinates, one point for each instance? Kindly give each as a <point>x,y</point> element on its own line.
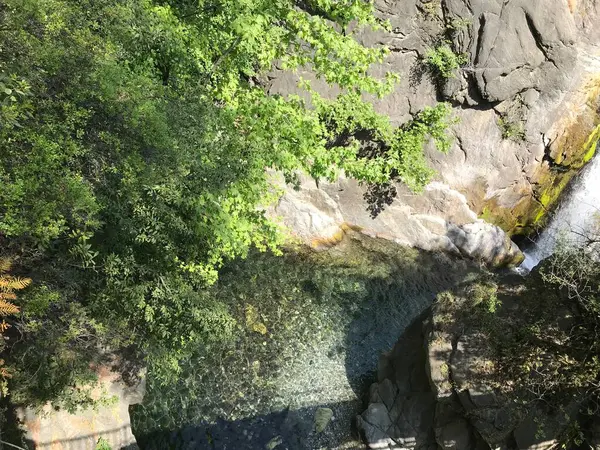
<point>530,214</point>
<point>591,144</point>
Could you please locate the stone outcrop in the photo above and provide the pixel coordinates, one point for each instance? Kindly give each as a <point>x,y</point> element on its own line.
<point>439,219</point>
<point>402,404</point>
<point>527,101</point>
<point>450,362</point>
<point>57,430</point>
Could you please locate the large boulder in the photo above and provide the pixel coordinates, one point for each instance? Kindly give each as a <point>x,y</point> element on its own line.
<point>468,398</point>
<point>59,429</point>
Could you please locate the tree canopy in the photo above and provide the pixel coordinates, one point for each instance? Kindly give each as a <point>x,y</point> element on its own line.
<point>135,136</point>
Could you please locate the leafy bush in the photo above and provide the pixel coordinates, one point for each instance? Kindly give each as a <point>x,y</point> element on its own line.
<point>486,294</point>
<point>549,348</point>
<point>511,129</point>
<point>102,444</point>
<point>443,62</point>
<point>458,24</point>
<point>134,145</point>
<point>432,8</point>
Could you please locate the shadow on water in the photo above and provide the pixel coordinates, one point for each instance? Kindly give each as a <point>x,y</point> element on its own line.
<point>372,325</point>
<point>287,429</point>
<point>392,307</point>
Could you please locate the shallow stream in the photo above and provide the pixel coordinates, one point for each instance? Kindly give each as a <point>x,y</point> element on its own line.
<point>312,327</point>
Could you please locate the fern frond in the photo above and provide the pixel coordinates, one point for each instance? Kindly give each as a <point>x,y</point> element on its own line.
<point>5,265</point>
<point>3,327</point>
<point>20,283</point>
<point>4,373</point>
<point>5,283</point>
<point>7,308</point>
<point>9,283</point>
<point>8,296</point>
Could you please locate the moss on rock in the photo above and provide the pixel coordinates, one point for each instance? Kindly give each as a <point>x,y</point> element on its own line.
<point>564,160</point>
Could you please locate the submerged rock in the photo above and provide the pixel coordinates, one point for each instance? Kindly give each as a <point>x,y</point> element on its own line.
<point>322,418</point>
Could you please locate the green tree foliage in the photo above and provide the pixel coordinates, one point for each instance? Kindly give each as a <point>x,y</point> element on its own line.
<point>573,275</point>
<point>135,137</point>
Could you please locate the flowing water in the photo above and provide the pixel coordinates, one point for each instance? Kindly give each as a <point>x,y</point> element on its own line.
<point>575,215</point>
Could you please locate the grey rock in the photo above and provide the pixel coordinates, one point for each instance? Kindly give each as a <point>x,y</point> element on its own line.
<point>494,425</point>
<point>374,396</point>
<point>536,52</point>
<point>531,96</point>
<point>482,396</point>
<point>467,363</point>
<point>485,242</point>
<point>375,424</point>
<point>439,219</point>
<point>503,419</point>
<point>412,412</point>
<point>452,430</point>
<point>465,400</point>
<point>110,421</point>
<point>438,367</point>
<point>455,435</point>
<point>534,434</point>
<point>388,392</point>
<point>385,369</point>
<point>322,418</point>
<point>516,45</point>
<point>274,443</point>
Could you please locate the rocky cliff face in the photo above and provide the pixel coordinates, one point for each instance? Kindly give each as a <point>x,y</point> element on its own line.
<point>527,101</point>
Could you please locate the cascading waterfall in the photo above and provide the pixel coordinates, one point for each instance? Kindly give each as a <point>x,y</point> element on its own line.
<point>573,218</point>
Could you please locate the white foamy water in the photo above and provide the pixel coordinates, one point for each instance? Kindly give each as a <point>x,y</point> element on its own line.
<point>574,216</point>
